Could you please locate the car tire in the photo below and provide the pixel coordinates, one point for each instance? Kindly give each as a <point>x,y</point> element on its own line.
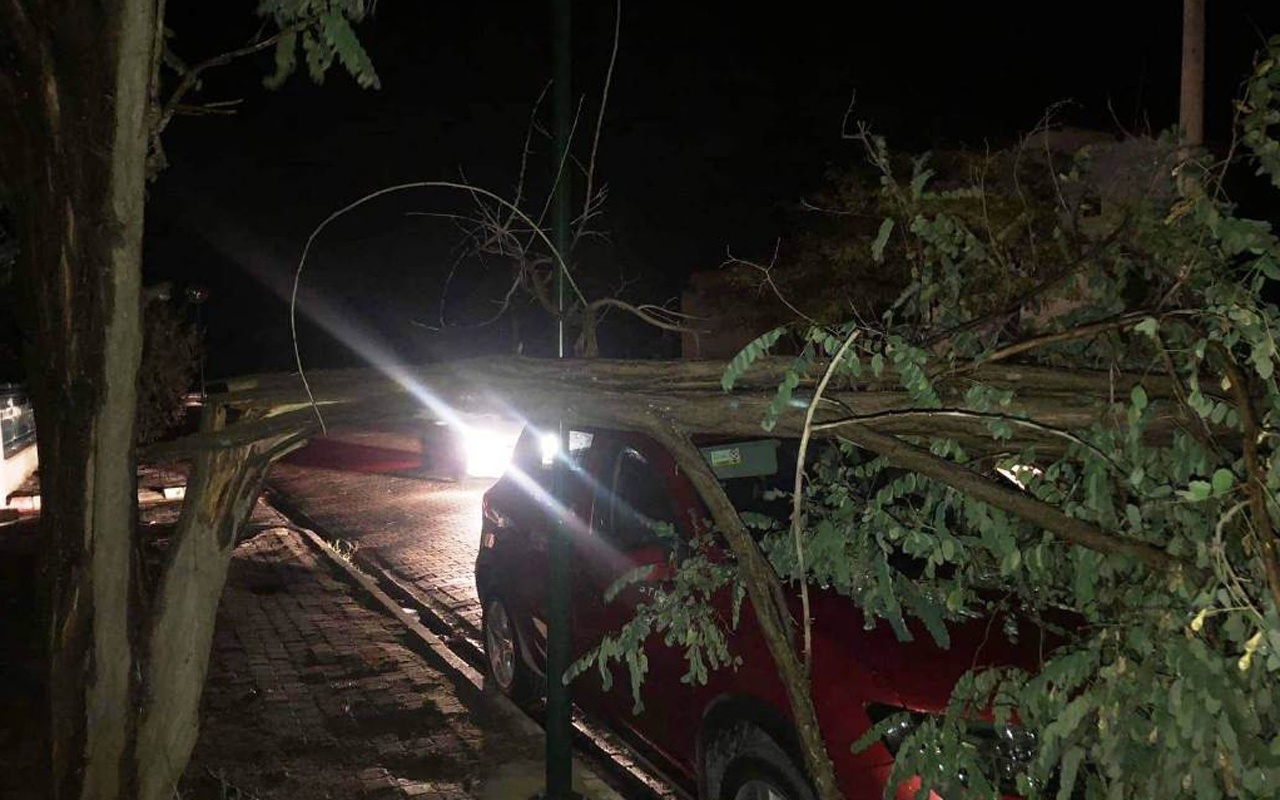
<point>745,763</point>
<point>504,664</point>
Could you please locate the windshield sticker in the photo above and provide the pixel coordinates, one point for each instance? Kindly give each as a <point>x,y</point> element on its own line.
<point>755,458</point>
<point>730,457</point>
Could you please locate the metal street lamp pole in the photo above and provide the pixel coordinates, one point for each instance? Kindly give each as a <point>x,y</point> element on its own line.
<point>559,548</point>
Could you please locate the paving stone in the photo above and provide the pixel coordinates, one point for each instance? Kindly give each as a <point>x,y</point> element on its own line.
<point>353,711</point>
<point>425,533</point>
<point>278,724</point>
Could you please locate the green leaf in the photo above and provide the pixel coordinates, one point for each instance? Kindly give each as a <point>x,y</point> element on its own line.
<point>920,178</point>
<point>1223,480</point>
<point>748,355</point>
<point>1149,326</point>
<point>1011,561</point>
<point>882,238</point>
<point>342,38</point>
<point>1197,491</point>
<point>928,613</point>
<point>1138,397</point>
<point>286,60</point>
<point>1070,767</point>
<point>1268,266</point>
<point>782,398</point>
<point>1219,413</point>
<point>877,364</point>
<point>758,521</point>
<point>876,732</point>
<point>1262,363</point>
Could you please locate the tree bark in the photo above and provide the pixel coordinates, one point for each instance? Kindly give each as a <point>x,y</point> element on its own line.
<point>1020,504</point>
<point>74,100</point>
<point>765,592</point>
<point>178,633</point>
<point>1055,401</point>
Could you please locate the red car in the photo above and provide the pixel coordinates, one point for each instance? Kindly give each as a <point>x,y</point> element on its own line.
<point>733,737</point>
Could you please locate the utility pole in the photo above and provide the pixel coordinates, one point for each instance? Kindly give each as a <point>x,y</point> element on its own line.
<point>559,754</point>
<point>1191,96</point>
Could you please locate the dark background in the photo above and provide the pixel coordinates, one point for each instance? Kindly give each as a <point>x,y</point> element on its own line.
<point>721,116</point>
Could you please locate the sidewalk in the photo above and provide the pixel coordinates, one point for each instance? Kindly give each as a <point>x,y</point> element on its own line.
<point>314,692</point>
<point>419,538</point>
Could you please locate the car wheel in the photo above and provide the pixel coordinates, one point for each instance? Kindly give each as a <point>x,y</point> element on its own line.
<point>503,662</point>
<point>745,763</point>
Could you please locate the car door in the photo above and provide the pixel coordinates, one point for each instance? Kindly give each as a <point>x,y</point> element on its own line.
<point>538,502</point>
<point>636,497</point>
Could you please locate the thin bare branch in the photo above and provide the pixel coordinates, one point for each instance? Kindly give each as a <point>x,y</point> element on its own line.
<point>223,108</point>
<point>957,413</point>
<point>191,75</point>
<point>657,316</point>
<point>797,495</point>
<point>453,185</point>
<point>1078,332</point>
<point>560,167</point>
<point>595,139</point>
<point>767,274</point>
<point>809,205</point>
<point>527,149</point>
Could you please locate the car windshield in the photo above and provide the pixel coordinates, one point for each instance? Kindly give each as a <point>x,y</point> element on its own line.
<point>758,475</point>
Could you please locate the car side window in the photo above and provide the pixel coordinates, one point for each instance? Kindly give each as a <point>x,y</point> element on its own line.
<point>638,503</point>
<point>537,451</point>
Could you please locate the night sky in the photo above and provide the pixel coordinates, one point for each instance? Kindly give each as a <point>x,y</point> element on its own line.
<point>721,117</point>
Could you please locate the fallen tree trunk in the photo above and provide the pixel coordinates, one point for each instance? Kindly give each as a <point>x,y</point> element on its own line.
<point>1048,407</point>
<point>1046,403</point>
<point>673,400</point>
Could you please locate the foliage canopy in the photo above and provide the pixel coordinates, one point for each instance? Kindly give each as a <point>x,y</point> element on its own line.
<point>1116,259</point>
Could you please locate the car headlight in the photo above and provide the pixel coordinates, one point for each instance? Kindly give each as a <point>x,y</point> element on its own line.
<point>1003,751</point>
<point>488,450</point>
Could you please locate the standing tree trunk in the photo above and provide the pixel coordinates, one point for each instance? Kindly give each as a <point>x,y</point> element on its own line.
<point>126,668</point>
<point>73,100</point>
<point>78,104</point>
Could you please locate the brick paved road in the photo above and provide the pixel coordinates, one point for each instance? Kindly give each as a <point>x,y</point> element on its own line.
<point>423,532</point>
<point>313,695</point>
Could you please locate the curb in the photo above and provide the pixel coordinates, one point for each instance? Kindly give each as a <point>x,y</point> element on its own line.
<point>425,637</point>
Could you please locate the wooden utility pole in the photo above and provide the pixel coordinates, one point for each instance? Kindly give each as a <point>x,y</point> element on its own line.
<point>1191,96</point>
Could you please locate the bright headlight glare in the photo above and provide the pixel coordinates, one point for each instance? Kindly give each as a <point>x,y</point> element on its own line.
<point>549,448</point>
<point>488,452</point>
